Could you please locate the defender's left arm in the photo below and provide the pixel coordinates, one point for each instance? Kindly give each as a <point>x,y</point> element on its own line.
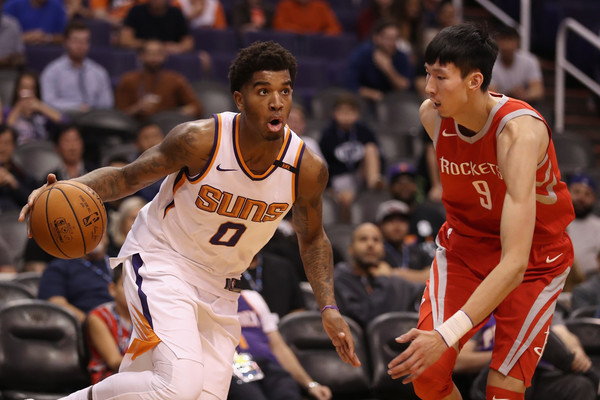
<point>316,252</point>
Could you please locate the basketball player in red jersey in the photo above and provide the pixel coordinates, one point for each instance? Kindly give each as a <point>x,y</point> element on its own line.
<point>230,180</point>
<point>504,249</point>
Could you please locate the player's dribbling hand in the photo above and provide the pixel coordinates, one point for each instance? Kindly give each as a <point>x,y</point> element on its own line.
<point>426,348</point>
<point>31,199</point>
<point>338,331</point>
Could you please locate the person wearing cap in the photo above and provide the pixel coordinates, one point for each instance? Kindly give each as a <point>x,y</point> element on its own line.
<point>363,288</point>
<point>426,217</point>
<point>584,230</point>
<point>406,257</point>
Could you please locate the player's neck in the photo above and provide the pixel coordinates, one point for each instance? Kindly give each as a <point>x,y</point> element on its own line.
<point>474,116</point>
<point>258,152</point>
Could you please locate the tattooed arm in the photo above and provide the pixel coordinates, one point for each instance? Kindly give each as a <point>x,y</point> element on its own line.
<point>316,252</point>
<point>188,144</point>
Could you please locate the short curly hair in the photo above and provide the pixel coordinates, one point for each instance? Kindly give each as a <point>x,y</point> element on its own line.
<point>260,56</point>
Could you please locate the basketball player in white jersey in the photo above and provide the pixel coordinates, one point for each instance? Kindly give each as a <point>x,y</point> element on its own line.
<point>229,181</point>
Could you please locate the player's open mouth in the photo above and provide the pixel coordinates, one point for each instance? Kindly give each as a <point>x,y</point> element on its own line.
<point>275,124</point>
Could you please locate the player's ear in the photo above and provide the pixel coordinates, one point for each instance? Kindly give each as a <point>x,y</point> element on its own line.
<point>239,100</point>
<point>475,80</point>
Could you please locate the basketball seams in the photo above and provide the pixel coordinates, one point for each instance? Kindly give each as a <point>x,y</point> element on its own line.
<point>52,210</point>
<point>76,217</point>
<point>48,221</point>
<point>93,200</point>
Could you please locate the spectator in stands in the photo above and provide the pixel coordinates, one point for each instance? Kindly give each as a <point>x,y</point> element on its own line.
<point>374,11</point>
<point>29,116</point>
<point>73,82</point>
<point>445,15</point>
<point>204,13</point>
<point>377,67</point>
<point>12,47</point>
<point>120,222</point>
<point>283,373</point>
<point>352,153</point>
<point>516,73</point>
<point>70,147</point>
<point>108,328</point>
<point>252,15</point>
<point>297,122</point>
<point>148,135</point>
<point>79,284</point>
<point>364,288</point>
<point>157,20</point>
<point>426,217</point>
<point>585,228</point>
<point>306,17</point>
<point>111,11</point>
<point>564,373</point>
<point>274,277</point>
<point>408,258</point>
<point>42,21</point>
<point>77,9</point>
<point>15,184</point>
<point>587,293</point>
<point>153,89</point>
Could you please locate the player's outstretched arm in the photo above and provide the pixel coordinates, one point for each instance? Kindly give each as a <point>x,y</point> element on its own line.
<point>316,252</point>
<point>188,144</point>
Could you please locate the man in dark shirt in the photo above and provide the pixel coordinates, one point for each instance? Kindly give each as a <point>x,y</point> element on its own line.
<point>377,67</point>
<point>156,19</point>
<point>80,284</point>
<point>361,292</point>
<point>276,280</point>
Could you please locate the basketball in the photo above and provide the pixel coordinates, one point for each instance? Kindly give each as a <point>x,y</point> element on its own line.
<point>68,219</point>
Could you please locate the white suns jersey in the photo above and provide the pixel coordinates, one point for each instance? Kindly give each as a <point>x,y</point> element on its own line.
<point>220,218</point>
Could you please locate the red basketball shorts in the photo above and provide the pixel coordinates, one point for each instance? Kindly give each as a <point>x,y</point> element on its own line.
<point>522,319</point>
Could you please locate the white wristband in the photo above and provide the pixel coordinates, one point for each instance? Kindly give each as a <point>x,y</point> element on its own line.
<point>455,327</point>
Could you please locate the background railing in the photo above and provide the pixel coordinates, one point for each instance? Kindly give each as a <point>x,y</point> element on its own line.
<point>563,65</point>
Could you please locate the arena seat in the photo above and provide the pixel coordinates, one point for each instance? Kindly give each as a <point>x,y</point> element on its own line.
<point>381,335</point>
<point>29,279</point>
<point>38,158</point>
<point>303,331</point>
<point>41,350</point>
<point>11,291</point>
<point>215,97</point>
<point>215,40</point>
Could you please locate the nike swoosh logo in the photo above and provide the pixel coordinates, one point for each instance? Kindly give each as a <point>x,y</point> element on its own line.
<point>448,135</point>
<point>550,260</point>
<point>495,398</point>
<point>538,351</point>
<point>225,169</point>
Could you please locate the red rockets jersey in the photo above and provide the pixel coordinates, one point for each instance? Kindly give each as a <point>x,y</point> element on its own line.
<point>473,188</point>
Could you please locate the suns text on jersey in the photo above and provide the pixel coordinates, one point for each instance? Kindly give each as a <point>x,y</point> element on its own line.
<point>211,199</point>
<point>468,168</point>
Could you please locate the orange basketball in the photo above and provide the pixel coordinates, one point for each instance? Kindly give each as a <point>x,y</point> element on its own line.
<point>68,219</point>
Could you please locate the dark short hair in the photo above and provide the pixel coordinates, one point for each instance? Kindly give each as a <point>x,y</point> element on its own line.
<point>468,46</point>
<point>13,132</point>
<point>75,25</point>
<point>260,56</point>
<point>382,24</point>
<point>346,99</point>
<point>63,128</point>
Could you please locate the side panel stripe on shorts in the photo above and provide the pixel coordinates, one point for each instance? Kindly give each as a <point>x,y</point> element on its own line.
<point>522,343</point>
<point>437,286</point>
<point>137,263</point>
